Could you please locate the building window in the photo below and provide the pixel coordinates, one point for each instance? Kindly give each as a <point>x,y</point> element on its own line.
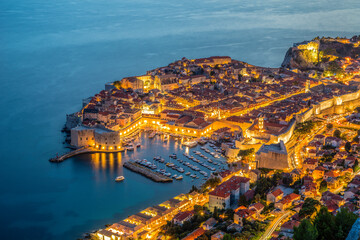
<point>81,139</point>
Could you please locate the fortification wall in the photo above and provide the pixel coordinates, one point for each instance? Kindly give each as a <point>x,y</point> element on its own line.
<point>338,105</point>
<point>326,104</point>
<point>285,137</point>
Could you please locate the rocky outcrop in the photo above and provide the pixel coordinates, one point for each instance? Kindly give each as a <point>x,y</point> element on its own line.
<point>303,56</point>
<point>318,54</point>
<point>354,233</point>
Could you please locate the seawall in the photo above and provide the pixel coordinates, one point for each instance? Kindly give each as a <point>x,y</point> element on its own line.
<point>146,172</point>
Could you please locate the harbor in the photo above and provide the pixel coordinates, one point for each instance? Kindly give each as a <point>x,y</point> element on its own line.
<point>186,158</point>
<point>183,157</point>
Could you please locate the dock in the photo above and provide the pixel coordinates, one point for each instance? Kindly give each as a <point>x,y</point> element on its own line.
<point>157,177</point>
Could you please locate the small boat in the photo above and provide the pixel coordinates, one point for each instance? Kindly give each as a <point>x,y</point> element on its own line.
<point>152,135</point>
<point>175,176</point>
<point>130,147</point>
<point>187,174</point>
<point>119,179</point>
<point>190,144</point>
<point>179,177</point>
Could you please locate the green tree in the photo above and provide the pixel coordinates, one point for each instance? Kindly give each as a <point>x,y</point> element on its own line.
<point>323,186</point>
<point>305,231</point>
<point>227,237</point>
<point>305,127</point>
<point>117,84</point>
<point>347,146</point>
<point>356,166</point>
<point>337,133</point>
<point>309,208</point>
<point>203,237</point>
<point>257,197</point>
<point>246,153</point>
<point>325,224</point>
<point>243,201</point>
<point>329,126</point>
<point>344,220</point>
<point>193,189</point>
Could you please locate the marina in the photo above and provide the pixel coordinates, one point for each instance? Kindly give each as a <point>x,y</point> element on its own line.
<point>195,166</point>
<point>199,163</point>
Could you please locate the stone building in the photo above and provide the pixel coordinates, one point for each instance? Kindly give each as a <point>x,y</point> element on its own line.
<point>273,156</point>
<point>100,138</point>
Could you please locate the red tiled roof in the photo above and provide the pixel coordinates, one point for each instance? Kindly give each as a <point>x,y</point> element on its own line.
<point>277,192</point>
<point>183,215</point>
<point>198,232</point>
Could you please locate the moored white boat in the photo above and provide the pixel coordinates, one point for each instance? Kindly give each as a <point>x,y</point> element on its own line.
<point>119,179</point>
<point>130,147</point>
<point>190,144</point>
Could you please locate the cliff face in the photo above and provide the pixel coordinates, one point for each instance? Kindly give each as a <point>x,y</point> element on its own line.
<point>302,56</point>
<point>319,53</point>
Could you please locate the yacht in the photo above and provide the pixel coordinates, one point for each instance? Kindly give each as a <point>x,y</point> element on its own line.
<point>130,147</point>
<point>119,179</point>
<point>179,177</point>
<point>152,135</point>
<point>190,144</point>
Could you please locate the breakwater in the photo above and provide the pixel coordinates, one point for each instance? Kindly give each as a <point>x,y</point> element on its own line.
<point>79,151</point>
<point>146,172</point>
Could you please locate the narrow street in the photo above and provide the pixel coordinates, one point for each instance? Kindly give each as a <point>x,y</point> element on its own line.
<point>274,224</point>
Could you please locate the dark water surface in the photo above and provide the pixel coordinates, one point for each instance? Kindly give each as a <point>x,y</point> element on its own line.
<point>55,53</point>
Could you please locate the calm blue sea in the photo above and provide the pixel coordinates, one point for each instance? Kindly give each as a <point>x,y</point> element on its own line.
<point>54,53</point>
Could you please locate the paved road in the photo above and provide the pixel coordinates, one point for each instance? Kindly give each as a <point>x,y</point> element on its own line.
<point>274,224</point>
